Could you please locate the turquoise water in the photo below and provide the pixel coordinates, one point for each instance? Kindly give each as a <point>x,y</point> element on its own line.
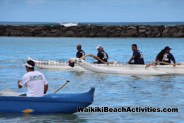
<point>111,90</point>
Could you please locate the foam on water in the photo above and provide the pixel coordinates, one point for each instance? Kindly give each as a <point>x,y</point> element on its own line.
<point>69,24</point>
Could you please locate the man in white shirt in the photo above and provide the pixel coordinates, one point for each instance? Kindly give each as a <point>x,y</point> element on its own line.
<point>34,81</point>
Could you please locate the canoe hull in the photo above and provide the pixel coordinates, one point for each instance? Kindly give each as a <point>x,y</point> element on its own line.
<point>60,67</point>
<point>56,65</point>
<point>52,103</point>
<point>170,69</point>
<point>116,68</point>
<point>123,69</point>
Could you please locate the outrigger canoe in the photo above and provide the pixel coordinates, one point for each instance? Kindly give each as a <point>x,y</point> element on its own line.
<point>126,69</point>
<point>51,103</point>
<point>115,68</point>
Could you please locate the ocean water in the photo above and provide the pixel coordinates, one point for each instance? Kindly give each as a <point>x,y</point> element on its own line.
<point>111,90</point>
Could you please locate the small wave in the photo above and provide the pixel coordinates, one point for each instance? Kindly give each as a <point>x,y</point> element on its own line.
<point>11,61</point>
<point>9,93</point>
<point>69,24</point>
<point>9,66</point>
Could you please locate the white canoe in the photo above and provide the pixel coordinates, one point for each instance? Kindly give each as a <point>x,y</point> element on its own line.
<point>132,69</point>
<point>56,65</point>
<point>115,68</point>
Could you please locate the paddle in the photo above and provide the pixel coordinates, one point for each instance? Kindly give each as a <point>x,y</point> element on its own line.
<point>166,63</point>
<point>148,65</point>
<point>61,86</point>
<point>97,58</point>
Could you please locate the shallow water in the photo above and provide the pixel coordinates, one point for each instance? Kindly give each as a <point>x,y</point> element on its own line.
<point>111,90</point>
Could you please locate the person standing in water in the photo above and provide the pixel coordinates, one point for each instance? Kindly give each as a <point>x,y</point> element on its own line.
<point>80,53</point>
<point>34,81</point>
<point>137,56</point>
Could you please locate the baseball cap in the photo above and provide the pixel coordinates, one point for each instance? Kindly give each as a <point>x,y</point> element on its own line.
<point>167,48</point>
<point>99,46</point>
<point>29,64</point>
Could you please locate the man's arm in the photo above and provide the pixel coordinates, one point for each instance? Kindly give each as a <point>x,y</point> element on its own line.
<point>132,58</point>
<point>77,55</point>
<point>107,56</point>
<point>19,85</point>
<point>99,55</point>
<point>84,53</point>
<point>46,88</point>
<point>46,85</point>
<point>23,82</point>
<point>156,59</point>
<point>173,59</point>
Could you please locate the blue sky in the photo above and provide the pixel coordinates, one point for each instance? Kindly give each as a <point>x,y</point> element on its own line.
<point>92,10</point>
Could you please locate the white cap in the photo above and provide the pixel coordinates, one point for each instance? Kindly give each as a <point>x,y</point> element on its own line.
<point>28,65</point>
<point>99,46</point>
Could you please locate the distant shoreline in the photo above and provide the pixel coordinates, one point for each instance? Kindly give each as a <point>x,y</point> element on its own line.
<point>90,23</point>
<point>90,30</point>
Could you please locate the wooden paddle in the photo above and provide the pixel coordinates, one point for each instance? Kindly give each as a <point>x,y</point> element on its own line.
<point>97,58</point>
<point>148,65</point>
<point>61,86</point>
<point>166,63</point>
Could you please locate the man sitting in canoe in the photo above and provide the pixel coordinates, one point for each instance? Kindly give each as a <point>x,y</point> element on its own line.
<point>166,56</point>
<point>101,54</point>
<point>80,52</point>
<point>34,81</point>
<point>137,56</point>
<point>160,55</point>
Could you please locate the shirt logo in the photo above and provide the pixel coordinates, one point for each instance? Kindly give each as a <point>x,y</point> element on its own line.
<point>34,78</point>
<point>105,56</point>
<point>141,55</point>
<point>165,57</point>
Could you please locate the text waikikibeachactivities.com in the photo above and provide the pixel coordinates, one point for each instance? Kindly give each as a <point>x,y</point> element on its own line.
<point>126,109</point>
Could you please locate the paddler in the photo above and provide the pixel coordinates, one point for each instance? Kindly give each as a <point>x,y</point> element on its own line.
<point>80,53</point>
<point>160,55</point>
<point>166,56</point>
<point>101,54</point>
<point>34,81</point>
<point>137,56</point>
